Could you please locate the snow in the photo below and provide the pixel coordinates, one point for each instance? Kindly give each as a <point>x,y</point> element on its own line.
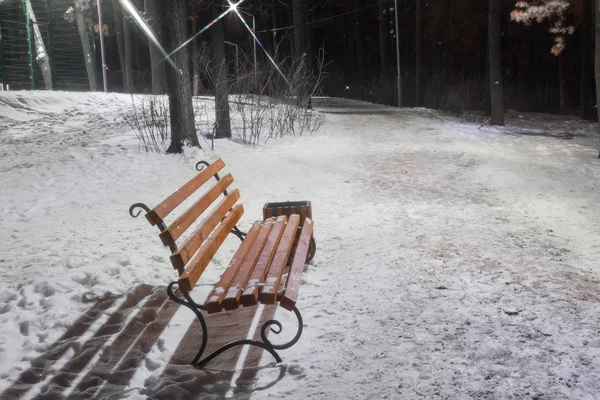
<point>451,261</point>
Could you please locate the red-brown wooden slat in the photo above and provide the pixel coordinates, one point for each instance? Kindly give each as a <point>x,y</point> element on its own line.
<point>250,295</point>
<point>290,296</point>
<point>268,295</point>
<point>187,249</point>
<point>213,301</point>
<point>185,220</point>
<point>232,297</point>
<point>201,259</point>
<point>159,212</point>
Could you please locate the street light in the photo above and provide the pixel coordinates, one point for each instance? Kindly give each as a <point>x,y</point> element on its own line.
<point>237,64</point>
<point>399,80</point>
<point>254,41</point>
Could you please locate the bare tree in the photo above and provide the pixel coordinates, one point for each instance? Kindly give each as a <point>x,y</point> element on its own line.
<point>598,60</point>
<point>41,56</point>
<point>420,53</point>
<point>586,63</point>
<point>130,88</point>
<point>223,127</point>
<point>298,11</point>
<point>118,13</point>
<point>181,109</point>
<point>495,62</point>
<point>79,13</point>
<point>156,61</point>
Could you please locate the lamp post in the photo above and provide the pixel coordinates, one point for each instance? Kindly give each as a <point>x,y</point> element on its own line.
<point>102,47</point>
<point>399,78</point>
<point>237,64</point>
<point>254,40</point>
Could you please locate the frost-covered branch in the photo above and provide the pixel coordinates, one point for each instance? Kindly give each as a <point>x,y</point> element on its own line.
<point>540,10</point>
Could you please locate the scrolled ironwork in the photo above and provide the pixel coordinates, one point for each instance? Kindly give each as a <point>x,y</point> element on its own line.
<point>199,163</point>
<point>267,325</point>
<point>265,344</point>
<point>138,205</point>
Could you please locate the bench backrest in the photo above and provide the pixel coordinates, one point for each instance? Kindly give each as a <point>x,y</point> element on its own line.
<point>191,256</point>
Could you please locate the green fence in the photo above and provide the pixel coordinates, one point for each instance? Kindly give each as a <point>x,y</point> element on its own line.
<point>56,25</point>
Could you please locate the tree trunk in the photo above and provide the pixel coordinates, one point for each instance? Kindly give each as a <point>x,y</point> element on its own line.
<point>359,42</point>
<point>87,48</point>
<point>419,54</point>
<point>439,46</point>
<point>495,59</point>
<point>179,88</point>
<point>41,55</point>
<point>586,62</point>
<point>562,96</point>
<point>310,46</point>
<point>156,61</point>
<point>223,128</point>
<point>275,25</point>
<point>128,54</point>
<point>118,12</point>
<point>195,61</point>
<point>384,38</point>
<point>598,61</point>
<point>299,28</point>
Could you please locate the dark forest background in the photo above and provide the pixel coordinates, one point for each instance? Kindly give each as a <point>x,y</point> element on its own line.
<point>358,37</point>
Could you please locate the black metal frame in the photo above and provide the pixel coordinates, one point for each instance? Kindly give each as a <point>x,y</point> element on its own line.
<point>197,309</point>
<point>265,344</point>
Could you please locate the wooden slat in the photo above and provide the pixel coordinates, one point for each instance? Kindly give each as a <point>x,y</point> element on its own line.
<point>213,301</point>
<point>170,203</point>
<point>250,295</point>
<point>290,296</point>
<point>187,249</point>
<point>198,263</point>
<point>268,295</point>
<point>232,297</point>
<point>185,220</point>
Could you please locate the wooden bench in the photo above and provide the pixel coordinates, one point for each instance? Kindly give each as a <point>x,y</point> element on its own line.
<point>266,268</point>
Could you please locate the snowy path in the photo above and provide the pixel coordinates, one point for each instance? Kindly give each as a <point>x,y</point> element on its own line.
<point>452,262</point>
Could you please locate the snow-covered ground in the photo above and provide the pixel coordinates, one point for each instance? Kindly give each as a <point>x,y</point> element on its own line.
<point>453,262</point>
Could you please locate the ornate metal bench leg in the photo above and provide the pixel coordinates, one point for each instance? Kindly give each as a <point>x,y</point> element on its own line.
<point>265,344</point>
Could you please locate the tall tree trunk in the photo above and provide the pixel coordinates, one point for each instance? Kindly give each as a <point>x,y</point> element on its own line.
<point>310,46</point>
<point>495,59</point>
<point>359,41</point>
<point>275,25</point>
<point>128,54</point>
<point>179,87</point>
<point>419,53</point>
<point>299,16</point>
<point>41,55</point>
<point>195,61</point>
<point>156,61</point>
<point>82,7</point>
<point>586,62</point>
<point>118,12</point>
<point>439,46</point>
<point>562,96</point>
<point>598,61</point>
<point>223,128</point>
<point>384,52</point>
<point>384,38</point>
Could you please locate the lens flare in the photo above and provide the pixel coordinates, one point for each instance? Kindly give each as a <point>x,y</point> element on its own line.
<point>232,7</point>
<point>261,46</point>
<point>146,29</point>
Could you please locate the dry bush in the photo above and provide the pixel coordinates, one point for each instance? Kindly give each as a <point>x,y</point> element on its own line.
<point>149,119</point>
